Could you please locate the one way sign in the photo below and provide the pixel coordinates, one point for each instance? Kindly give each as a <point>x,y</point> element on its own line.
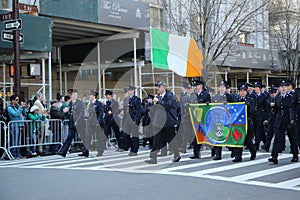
<point>9,37</point>
<point>13,24</point>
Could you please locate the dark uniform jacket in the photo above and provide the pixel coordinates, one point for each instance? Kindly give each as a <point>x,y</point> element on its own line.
<point>133,111</point>
<point>284,111</point>
<point>223,98</point>
<point>296,97</point>
<point>261,107</point>
<point>203,97</point>
<point>95,111</point>
<point>111,110</point>
<point>168,102</point>
<point>77,109</point>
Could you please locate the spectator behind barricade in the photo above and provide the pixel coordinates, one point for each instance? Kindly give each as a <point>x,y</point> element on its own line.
<point>35,127</point>
<point>66,116</point>
<point>61,100</point>
<point>39,102</point>
<point>16,113</point>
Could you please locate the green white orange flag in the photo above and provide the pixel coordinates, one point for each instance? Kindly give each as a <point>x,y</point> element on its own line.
<point>177,53</point>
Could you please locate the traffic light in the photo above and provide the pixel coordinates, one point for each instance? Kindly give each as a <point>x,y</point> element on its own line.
<point>11,71</point>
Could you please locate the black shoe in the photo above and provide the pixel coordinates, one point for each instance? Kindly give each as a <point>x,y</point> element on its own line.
<point>61,154</point>
<point>194,157</point>
<point>132,154</point>
<point>151,161</point>
<point>295,159</point>
<point>237,160</point>
<point>273,160</point>
<point>176,159</point>
<point>265,148</point>
<point>217,157</point>
<point>84,154</point>
<point>253,156</point>
<point>213,153</point>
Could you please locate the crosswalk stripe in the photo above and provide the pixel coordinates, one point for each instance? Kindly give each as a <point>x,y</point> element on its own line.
<point>266,172</point>
<point>290,183</point>
<point>232,166</point>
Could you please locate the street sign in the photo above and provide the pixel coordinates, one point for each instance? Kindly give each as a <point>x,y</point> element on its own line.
<point>13,24</point>
<point>9,37</point>
<point>6,16</point>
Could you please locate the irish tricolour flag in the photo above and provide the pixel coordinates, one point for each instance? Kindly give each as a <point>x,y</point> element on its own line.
<point>177,53</point>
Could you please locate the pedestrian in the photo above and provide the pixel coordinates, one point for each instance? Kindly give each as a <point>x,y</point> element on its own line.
<point>95,125</point>
<point>271,116</point>
<point>76,123</point>
<point>260,115</point>
<point>249,102</point>
<point>36,125</point>
<point>111,111</point>
<point>131,119</point>
<point>284,120</point>
<point>221,97</point>
<point>16,114</point>
<point>146,121</point>
<point>202,97</point>
<point>164,122</point>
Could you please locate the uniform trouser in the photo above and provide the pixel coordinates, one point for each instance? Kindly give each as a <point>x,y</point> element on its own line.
<point>293,140</point>
<point>196,147</point>
<point>71,135</point>
<point>278,144</point>
<point>238,152</point>
<point>100,137</point>
<point>133,130</point>
<point>116,129</point>
<point>297,134</point>
<point>270,134</point>
<point>217,151</point>
<point>259,133</point>
<point>188,136</point>
<point>164,136</point>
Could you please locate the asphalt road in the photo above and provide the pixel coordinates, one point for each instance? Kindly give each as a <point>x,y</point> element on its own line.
<point>31,184</point>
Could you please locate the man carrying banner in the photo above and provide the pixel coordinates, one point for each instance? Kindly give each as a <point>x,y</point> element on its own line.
<point>202,97</point>
<point>222,97</point>
<point>164,130</point>
<point>243,97</point>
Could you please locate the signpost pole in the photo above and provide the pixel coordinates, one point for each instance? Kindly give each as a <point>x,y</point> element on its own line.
<point>16,45</point>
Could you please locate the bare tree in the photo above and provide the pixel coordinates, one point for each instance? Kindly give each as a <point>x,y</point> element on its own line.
<point>215,25</point>
<point>285,30</point>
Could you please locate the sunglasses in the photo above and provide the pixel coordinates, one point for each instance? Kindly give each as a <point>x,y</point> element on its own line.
<point>16,99</point>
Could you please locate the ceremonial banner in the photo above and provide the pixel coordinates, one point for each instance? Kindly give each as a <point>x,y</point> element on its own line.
<point>219,124</point>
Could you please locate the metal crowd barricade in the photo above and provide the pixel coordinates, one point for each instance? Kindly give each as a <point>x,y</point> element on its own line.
<point>3,140</point>
<point>34,134</point>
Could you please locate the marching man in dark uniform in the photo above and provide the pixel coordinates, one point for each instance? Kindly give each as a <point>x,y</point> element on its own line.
<point>271,117</point>
<point>238,152</point>
<point>131,120</point>
<point>297,102</point>
<point>186,128</point>
<point>95,124</point>
<point>111,110</point>
<point>164,119</point>
<point>146,121</point>
<point>202,97</point>
<point>284,120</point>
<point>222,97</point>
<point>260,115</point>
<point>76,123</point>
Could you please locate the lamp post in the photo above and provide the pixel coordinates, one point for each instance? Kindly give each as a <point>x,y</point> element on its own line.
<point>16,47</point>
